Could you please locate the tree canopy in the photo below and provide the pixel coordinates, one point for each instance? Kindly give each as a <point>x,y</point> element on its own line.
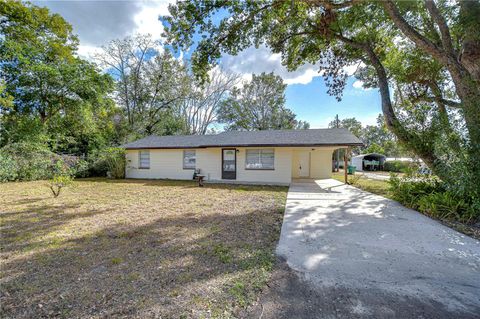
<point>428,49</point>
<point>259,105</point>
<point>54,96</point>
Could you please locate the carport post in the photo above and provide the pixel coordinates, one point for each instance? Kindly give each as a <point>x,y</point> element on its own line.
<point>345,165</point>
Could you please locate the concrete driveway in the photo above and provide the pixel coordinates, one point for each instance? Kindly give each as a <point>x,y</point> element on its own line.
<point>362,255</point>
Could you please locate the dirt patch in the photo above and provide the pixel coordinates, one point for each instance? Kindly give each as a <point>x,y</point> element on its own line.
<point>135,248</point>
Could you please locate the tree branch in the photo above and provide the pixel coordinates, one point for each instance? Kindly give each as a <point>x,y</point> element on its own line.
<point>333,5</point>
<point>421,41</point>
<point>442,25</point>
<point>433,99</point>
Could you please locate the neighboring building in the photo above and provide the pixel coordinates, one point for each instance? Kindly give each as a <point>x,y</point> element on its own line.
<point>368,162</point>
<point>263,157</point>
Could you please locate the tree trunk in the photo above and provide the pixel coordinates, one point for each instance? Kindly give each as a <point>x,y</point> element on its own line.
<point>425,152</point>
<point>464,69</point>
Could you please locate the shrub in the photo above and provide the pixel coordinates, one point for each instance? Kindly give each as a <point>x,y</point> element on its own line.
<point>28,161</point>
<point>59,182</point>
<point>430,196</point>
<point>447,206</point>
<point>8,168</point>
<point>399,166</point>
<point>408,190</point>
<point>32,161</point>
<point>109,162</point>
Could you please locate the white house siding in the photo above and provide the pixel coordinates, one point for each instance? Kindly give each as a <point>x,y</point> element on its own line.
<point>281,174</point>
<point>209,161</point>
<point>166,163</point>
<point>320,162</point>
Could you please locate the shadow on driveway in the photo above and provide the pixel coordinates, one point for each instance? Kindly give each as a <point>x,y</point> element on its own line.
<point>352,254</point>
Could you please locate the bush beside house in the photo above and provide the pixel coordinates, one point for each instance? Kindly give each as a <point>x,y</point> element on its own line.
<point>28,161</point>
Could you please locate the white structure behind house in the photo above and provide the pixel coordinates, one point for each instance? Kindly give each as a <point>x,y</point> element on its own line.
<point>364,161</point>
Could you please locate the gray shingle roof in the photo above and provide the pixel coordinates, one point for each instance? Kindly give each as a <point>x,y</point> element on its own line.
<point>313,137</point>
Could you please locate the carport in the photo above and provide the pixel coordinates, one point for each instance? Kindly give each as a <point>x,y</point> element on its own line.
<point>368,162</point>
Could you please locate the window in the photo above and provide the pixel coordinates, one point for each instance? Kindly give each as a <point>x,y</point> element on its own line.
<point>144,159</point>
<point>260,159</point>
<point>189,159</point>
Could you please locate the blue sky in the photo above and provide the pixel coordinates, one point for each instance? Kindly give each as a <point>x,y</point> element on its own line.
<point>98,22</point>
<point>312,103</point>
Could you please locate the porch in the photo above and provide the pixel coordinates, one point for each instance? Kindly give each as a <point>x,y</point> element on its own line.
<point>313,163</point>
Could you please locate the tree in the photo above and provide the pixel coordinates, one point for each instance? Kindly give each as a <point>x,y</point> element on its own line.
<point>378,139</point>
<point>259,105</point>
<point>352,124</point>
<point>342,33</point>
<point>46,85</point>
<point>199,110</point>
<point>148,83</point>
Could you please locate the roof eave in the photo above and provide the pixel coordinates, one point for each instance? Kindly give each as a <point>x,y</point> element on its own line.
<point>247,145</point>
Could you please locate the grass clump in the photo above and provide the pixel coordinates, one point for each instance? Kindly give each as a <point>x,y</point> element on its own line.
<point>223,253</point>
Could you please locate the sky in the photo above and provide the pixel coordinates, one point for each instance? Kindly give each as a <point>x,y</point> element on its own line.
<point>98,22</point>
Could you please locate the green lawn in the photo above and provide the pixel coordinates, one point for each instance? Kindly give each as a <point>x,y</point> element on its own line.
<point>370,185</point>
<point>135,248</point>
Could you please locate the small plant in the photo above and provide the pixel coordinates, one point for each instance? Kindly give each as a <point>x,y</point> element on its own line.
<point>116,260</point>
<point>431,196</point>
<point>223,253</point>
<point>59,182</point>
<point>353,180</point>
<point>447,206</point>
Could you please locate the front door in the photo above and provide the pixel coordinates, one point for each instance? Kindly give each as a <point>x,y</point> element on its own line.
<point>304,164</point>
<point>229,163</point>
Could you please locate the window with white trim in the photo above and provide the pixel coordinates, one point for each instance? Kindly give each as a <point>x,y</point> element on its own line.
<point>189,159</point>
<point>260,159</point>
<point>143,159</point>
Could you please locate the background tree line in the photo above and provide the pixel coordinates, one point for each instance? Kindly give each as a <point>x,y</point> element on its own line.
<point>376,138</point>
<point>54,102</point>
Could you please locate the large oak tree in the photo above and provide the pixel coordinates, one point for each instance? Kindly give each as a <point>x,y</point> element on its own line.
<point>440,41</point>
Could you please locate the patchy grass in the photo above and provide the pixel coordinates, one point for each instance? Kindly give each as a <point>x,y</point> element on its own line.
<point>136,248</point>
<point>378,187</point>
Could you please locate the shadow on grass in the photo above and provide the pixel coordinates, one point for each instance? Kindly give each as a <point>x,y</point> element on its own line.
<point>23,230</point>
<point>163,268</point>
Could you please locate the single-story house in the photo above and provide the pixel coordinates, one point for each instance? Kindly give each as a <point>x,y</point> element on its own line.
<point>263,157</point>
<point>368,162</point>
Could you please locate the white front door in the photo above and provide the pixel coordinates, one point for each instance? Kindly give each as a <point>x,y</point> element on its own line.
<point>304,164</point>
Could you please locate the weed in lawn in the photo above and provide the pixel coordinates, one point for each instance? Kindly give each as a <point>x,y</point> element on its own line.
<point>239,292</point>
<point>223,253</point>
<point>116,261</point>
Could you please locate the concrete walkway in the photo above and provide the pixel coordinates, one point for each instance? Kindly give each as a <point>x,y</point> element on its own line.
<point>366,256</point>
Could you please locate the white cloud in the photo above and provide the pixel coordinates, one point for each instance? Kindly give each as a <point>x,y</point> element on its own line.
<point>253,60</point>
<point>359,86</point>
<point>87,51</point>
<point>98,22</point>
<point>147,19</point>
